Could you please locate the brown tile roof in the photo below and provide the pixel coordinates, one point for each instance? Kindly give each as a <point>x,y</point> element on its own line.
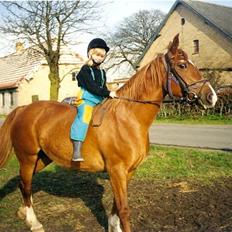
<point>18,66</point>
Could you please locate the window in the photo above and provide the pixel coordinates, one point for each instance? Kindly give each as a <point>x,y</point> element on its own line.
<point>11,98</point>
<point>35,98</point>
<point>195,46</point>
<point>73,76</point>
<point>182,21</point>
<point>3,99</point>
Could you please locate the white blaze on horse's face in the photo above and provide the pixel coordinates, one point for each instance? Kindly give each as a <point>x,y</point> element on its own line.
<point>207,95</point>
<point>191,62</point>
<point>214,96</point>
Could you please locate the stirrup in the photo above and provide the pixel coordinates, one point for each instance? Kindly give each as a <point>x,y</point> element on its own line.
<point>79,159</point>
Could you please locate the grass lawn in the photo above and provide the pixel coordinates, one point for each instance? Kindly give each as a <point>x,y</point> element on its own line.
<point>168,163</point>
<point>206,120</point>
<point>163,163</point>
<point>67,200</point>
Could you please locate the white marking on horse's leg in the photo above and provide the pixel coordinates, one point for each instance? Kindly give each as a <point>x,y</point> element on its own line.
<point>114,223</point>
<point>32,221</point>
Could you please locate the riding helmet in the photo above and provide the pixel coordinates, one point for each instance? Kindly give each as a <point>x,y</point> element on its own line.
<point>98,43</point>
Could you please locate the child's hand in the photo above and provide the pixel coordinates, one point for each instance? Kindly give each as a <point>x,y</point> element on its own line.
<point>113,94</point>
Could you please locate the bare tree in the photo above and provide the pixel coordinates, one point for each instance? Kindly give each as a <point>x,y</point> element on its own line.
<point>132,36</point>
<point>48,24</point>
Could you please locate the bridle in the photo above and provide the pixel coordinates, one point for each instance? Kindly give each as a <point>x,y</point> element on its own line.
<point>188,96</point>
<point>172,75</point>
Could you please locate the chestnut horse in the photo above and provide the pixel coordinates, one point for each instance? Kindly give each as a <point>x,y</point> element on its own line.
<point>118,146</point>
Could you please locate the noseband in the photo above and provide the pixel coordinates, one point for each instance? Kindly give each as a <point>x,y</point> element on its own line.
<point>172,75</point>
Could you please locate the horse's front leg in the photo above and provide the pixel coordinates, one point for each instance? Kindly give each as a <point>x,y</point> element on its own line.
<point>118,179</point>
<point>114,221</point>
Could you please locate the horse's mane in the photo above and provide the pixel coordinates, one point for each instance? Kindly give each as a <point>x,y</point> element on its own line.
<point>144,81</point>
<point>147,78</point>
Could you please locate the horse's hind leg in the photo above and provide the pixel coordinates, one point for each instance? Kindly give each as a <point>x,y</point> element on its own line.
<point>42,161</point>
<point>27,168</point>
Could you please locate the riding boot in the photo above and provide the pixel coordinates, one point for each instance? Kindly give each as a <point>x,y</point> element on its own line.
<point>77,151</point>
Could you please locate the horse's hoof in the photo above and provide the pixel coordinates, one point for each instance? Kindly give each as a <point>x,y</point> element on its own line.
<point>21,213</point>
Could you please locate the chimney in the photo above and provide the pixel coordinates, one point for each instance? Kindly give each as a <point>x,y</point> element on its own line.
<point>19,47</point>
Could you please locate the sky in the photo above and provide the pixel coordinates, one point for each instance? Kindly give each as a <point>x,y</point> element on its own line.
<point>116,10</point>
<point>113,12</point>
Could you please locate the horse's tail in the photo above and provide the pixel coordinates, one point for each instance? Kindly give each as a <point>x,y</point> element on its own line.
<point>5,138</point>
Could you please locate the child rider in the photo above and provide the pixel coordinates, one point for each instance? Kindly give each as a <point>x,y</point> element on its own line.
<point>92,82</point>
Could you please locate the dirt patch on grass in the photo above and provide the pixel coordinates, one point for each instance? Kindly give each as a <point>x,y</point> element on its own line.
<point>66,201</point>
<point>182,206</point>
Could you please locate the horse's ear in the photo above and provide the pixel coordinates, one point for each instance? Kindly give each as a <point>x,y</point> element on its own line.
<point>174,44</point>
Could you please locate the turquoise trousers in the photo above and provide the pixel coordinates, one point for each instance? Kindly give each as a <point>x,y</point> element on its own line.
<point>80,125</point>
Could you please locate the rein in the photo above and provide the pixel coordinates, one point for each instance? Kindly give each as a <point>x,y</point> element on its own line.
<point>152,102</point>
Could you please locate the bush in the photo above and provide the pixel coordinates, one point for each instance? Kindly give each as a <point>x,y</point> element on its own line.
<point>223,107</point>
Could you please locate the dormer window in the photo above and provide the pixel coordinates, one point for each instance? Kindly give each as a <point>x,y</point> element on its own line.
<point>182,21</point>
<point>195,46</point>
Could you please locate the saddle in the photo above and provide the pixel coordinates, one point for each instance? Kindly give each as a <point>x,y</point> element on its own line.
<point>98,112</point>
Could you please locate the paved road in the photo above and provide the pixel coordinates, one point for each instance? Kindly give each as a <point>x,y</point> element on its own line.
<point>202,136</point>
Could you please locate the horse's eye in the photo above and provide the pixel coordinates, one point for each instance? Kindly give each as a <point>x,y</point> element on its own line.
<point>182,66</point>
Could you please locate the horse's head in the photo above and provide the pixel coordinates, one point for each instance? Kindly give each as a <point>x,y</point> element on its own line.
<point>184,79</point>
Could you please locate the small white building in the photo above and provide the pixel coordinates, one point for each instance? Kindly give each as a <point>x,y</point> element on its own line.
<point>24,77</point>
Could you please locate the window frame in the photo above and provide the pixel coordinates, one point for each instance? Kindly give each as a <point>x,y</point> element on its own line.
<point>196,46</point>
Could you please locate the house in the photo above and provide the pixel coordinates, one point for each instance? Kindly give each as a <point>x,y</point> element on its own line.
<point>24,77</point>
<point>205,32</point>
